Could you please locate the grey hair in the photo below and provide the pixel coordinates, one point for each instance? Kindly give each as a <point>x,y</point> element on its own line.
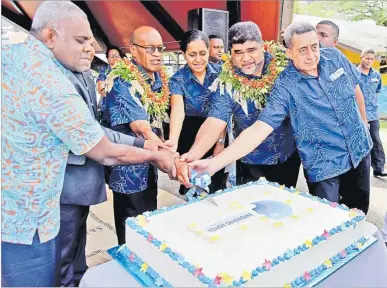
<point>242,32</point>
<point>297,28</point>
<point>367,51</point>
<point>52,13</point>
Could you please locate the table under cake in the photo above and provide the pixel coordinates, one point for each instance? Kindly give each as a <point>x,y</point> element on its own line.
<point>368,269</point>
<point>260,234</point>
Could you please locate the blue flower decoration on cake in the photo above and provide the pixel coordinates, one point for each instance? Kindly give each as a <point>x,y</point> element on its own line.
<point>272,209</point>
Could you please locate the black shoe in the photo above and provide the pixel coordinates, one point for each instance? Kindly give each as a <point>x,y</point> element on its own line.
<point>380,174</point>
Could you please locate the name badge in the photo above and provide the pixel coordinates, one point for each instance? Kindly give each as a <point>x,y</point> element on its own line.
<point>336,74</point>
<point>374,80</point>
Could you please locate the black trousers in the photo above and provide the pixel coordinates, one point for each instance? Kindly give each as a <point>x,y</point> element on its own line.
<point>285,173</point>
<point>131,205</point>
<point>378,158</point>
<point>351,188</point>
<point>72,237</point>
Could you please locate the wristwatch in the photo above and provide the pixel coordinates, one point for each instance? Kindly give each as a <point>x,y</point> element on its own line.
<point>221,141</point>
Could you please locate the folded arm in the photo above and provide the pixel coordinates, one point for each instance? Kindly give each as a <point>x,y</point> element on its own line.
<point>101,88</point>
<point>361,104</point>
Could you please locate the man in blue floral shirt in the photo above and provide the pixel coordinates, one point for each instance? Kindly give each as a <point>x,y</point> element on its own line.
<point>135,187</point>
<point>276,158</point>
<point>45,118</point>
<point>371,84</point>
<point>317,93</point>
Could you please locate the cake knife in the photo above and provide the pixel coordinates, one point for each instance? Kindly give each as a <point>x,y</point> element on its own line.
<point>200,185</point>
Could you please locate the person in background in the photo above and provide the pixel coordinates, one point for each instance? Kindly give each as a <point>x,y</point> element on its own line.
<point>45,118</point>
<point>316,93</point>
<point>328,36</point>
<point>130,102</point>
<point>328,33</point>
<point>276,158</point>
<point>191,100</point>
<point>113,54</point>
<point>371,85</point>
<point>216,49</point>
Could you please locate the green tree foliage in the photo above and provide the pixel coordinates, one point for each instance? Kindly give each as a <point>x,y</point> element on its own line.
<point>345,9</point>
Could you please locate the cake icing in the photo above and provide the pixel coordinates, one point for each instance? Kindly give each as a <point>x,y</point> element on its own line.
<point>261,234</point>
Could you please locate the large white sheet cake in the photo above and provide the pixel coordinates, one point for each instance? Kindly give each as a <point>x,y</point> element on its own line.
<point>260,234</point>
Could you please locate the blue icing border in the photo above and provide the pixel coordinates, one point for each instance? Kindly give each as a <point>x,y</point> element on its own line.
<point>268,263</point>
<point>150,278</point>
<point>335,260</point>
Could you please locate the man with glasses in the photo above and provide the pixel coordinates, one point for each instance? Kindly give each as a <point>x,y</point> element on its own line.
<point>135,187</point>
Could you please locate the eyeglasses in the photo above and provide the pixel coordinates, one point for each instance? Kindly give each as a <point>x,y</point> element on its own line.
<point>151,49</point>
<point>115,56</point>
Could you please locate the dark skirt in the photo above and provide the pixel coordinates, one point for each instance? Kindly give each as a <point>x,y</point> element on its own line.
<point>191,126</point>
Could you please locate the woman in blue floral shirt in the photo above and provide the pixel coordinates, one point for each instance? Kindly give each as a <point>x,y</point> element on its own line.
<point>113,54</point>
<point>191,99</point>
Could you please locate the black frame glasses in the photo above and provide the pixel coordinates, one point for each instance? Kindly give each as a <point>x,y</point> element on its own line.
<point>151,49</point>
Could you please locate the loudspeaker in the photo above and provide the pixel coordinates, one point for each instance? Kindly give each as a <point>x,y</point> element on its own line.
<point>210,21</point>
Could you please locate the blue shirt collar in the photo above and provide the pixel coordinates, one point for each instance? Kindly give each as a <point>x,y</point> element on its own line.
<point>267,57</point>
<point>369,73</point>
<point>157,84</point>
<point>210,70</point>
<point>299,75</point>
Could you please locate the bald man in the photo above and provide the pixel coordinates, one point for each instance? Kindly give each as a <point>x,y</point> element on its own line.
<point>135,187</point>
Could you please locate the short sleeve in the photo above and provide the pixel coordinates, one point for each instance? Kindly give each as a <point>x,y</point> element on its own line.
<point>379,86</point>
<point>71,121</point>
<point>221,106</point>
<point>277,107</point>
<point>175,87</point>
<point>124,108</point>
<point>102,77</point>
<point>351,70</point>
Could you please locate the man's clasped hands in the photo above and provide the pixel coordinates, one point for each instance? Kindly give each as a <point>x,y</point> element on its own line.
<point>177,167</point>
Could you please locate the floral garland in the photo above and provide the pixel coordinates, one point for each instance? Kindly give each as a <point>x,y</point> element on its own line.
<point>255,89</point>
<point>154,103</point>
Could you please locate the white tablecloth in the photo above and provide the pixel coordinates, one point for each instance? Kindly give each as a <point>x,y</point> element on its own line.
<point>369,269</point>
